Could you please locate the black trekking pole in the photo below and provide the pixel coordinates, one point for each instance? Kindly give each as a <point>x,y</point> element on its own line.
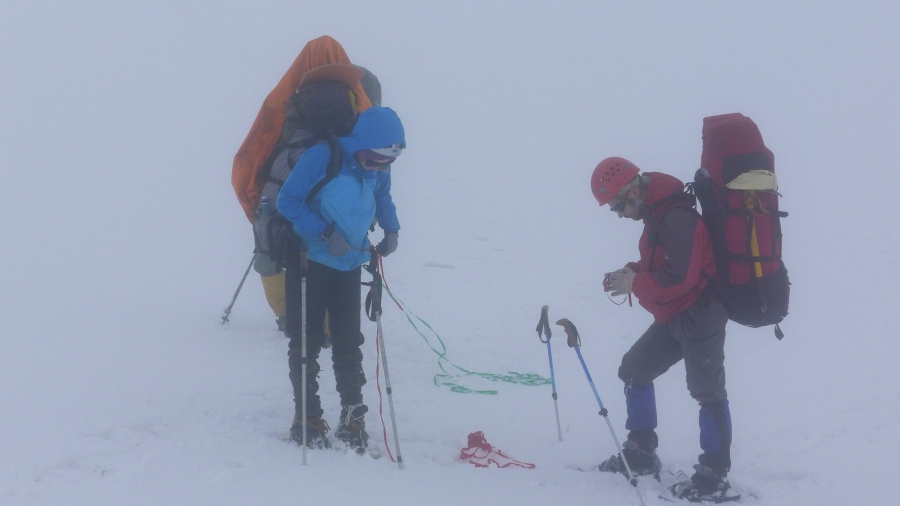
<point>543,327</point>
<point>236,292</point>
<point>304,271</point>
<point>574,341</point>
<point>373,311</point>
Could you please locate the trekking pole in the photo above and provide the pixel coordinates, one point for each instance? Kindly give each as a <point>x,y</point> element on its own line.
<point>373,311</point>
<point>236,292</point>
<point>304,270</point>
<point>574,341</point>
<point>543,327</point>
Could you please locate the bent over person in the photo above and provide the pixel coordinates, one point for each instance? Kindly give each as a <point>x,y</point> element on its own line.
<point>671,281</point>
<point>333,220</point>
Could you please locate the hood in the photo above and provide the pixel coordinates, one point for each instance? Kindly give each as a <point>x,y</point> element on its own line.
<point>661,186</point>
<point>376,128</point>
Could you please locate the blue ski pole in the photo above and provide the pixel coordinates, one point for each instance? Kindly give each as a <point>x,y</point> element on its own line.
<point>543,327</point>
<point>574,341</point>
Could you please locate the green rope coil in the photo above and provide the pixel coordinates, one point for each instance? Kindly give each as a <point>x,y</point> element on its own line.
<point>449,380</point>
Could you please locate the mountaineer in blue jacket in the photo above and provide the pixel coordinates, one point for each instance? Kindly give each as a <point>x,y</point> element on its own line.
<point>333,226</point>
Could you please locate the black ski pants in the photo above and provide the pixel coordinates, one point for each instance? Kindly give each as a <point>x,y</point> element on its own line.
<point>338,292</point>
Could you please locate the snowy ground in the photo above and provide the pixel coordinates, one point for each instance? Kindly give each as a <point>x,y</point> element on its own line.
<point>122,242</point>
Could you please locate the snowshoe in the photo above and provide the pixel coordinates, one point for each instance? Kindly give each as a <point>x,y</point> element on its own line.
<point>643,462</point>
<point>705,486</point>
<point>316,429</point>
<point>352,427</point>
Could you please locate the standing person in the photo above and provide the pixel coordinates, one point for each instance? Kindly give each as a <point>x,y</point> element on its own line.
<point>671,281</point>
<point>255,174</point>
<point>333,226</point>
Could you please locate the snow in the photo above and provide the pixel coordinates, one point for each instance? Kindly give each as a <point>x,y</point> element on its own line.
<point>122,242</point>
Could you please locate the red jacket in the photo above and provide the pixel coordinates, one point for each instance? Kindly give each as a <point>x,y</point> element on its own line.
<point>676,251</point>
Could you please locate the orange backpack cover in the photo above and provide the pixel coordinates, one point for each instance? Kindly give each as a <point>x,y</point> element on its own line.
<point>266,129</point>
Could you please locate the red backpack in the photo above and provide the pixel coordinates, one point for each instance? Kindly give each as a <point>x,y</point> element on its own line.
<point>738,193</point>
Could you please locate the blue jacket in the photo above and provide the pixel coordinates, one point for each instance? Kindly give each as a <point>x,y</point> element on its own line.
<point>352,200</point>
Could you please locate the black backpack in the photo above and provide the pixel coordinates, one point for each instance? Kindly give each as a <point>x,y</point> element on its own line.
<point>317,112</point>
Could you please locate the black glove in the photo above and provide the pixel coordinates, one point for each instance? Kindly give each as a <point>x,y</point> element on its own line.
<point>388,245</point>
<point>337,244</point>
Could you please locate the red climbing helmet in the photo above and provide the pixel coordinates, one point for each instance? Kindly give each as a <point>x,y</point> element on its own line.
<point>610,176</point>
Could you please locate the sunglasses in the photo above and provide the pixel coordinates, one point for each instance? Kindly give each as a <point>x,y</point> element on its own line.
<point>618,208</point>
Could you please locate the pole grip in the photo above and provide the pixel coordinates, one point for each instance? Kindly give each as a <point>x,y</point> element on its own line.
<point>543,326</point>
<point>574,339</point>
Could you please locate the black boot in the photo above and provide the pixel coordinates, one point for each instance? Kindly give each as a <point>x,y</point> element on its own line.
<point>643,461</point>
<point>352,427</point>
<point>706,485</point>
<point>316,429</point>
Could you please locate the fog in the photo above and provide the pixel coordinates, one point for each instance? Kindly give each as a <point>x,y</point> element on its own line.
<point>122,239</point>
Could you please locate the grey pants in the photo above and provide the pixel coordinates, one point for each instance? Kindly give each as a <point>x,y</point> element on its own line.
<point>696,335</point>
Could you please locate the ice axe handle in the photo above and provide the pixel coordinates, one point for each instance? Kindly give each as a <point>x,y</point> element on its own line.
<point>571,332</point>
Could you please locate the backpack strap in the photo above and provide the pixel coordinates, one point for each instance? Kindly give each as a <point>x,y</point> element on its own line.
<point>335,162</point>
<point>745,212</point>
<point>265,172</point>
<point>294,150</point>
<point>682,199</point>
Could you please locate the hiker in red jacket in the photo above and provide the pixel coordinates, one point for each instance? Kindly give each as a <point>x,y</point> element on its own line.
<point>671,282</point>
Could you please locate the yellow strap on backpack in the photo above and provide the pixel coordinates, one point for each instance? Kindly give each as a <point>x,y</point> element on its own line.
<point>750,200</point>
<point>353,102</point>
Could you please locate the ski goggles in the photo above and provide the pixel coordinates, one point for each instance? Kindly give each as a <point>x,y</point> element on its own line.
<point>373,164</point>
<point>370,159</point>
<point>392,151</point>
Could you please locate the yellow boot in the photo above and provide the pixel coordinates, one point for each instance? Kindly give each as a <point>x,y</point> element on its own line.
<point>274,288</point>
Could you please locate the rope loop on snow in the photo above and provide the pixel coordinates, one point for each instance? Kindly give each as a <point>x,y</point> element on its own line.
<point>446,377</point>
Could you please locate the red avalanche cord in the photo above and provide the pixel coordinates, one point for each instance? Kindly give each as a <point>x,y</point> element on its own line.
<point>380,400</point>
<point>378,375</point>
<point>384,278</point>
